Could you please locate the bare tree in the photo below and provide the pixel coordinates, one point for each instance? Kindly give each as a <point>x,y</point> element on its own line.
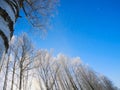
<point>107,84</point>
<point>7,70</point>
<point>36,11</point>
<point>50,72</point>
<point>20,63</point>
<point>25,60</point>
<point>47,70</point>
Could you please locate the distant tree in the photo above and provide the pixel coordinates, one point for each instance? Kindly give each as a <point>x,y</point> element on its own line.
<point>47,70</point>
<point>22,66</point>
<point>67,75</point>
<point>18,64</point>
<point>7,70</point>
<point>25,60</point>
<point>36,11</point>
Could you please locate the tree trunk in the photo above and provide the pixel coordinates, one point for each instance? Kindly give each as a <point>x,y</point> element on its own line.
<point>20,82</point>
<point>13,74</point>
<point>9,11</point>
<point>6,74</point>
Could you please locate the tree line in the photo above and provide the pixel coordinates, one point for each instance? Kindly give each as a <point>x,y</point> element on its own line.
<point>23,68</point>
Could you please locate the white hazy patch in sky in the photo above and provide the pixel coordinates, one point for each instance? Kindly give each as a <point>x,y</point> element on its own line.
<point>13,39</point>
<point>76,60</point>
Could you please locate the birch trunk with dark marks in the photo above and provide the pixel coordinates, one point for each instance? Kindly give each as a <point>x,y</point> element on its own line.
<point>37,12</point>
<point>6,73</point>
<point>9,11</point>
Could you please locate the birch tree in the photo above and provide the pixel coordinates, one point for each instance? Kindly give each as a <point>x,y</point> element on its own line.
<point>36,11</point>
<point>49,72</point>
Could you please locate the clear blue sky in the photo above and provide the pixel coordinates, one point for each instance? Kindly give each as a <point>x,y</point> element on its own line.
<point>89,29</point>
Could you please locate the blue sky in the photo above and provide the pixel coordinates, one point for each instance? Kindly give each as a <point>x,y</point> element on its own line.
<point>89,29</point>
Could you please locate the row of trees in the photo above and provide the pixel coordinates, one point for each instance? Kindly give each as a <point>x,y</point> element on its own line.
<point>23,68</point>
